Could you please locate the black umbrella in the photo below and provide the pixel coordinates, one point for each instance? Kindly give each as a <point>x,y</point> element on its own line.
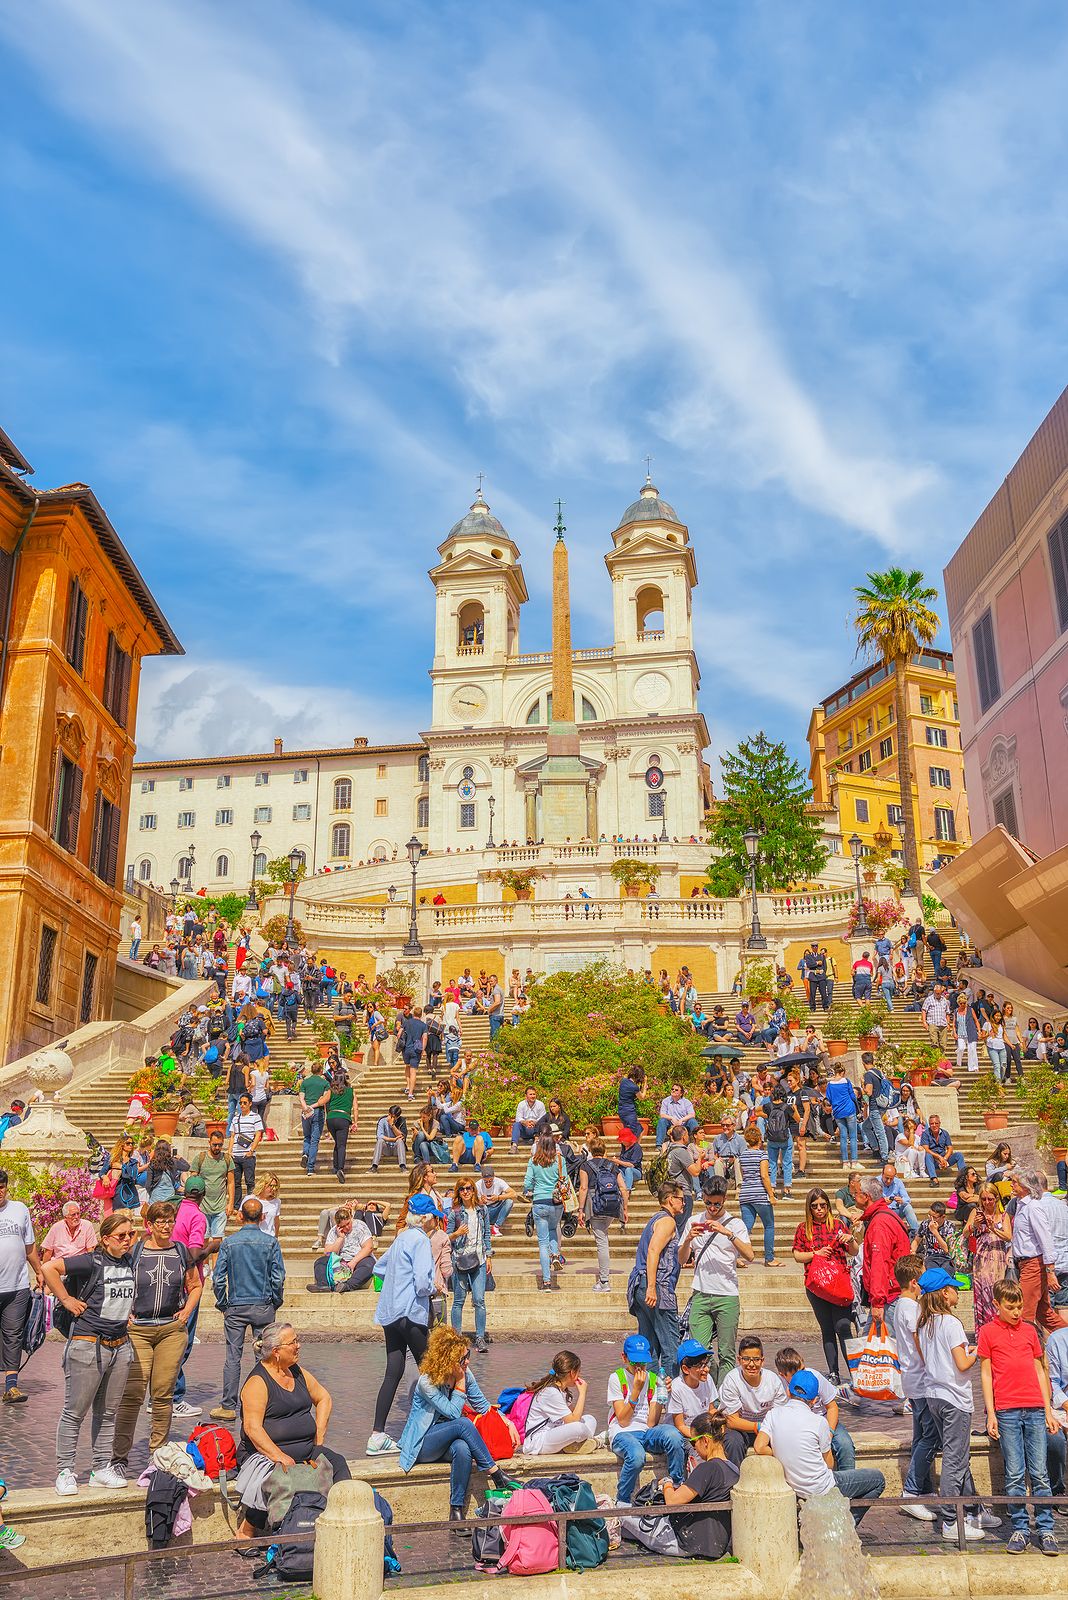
<point>723,1050</point>
<point>796,1058</point>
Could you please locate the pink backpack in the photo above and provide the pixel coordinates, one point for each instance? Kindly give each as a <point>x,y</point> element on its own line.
<point>519,1412</point>
<point>532,1547</point>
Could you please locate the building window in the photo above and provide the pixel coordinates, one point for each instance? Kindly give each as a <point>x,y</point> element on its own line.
<point>223,781</point>
<point>185,869</point>
<point>88,1001</point>
<point>467,815</point>
<point>262,779</point>
<point>68,805</point>
<point>654,805</point>
<point>927,705</point>
<point>1005,812</point>
<point>341,839</point>
<point>382,808</point>
<point>956,712</point>
<point>846,766</point>
<point>148,785</point>
<point>301,775</point>
<point>1058,560</point>
<point>222,866</point>
<point>381,770</point>
<point>891,713</point>
<point>302,813</point>
<point>144,871</point>
<point>342,794</point>
<point>424,769</point>
<point>886,749</point>
<point>986,662</point>
<point>77,625</point>
<point>117,673</point>
<point>937,736</point>
<point>895,815</point>
<point>259,864</point>
<point>147,822</point>
<point>941,778</point>
<point>262,814</point>
<point>864,761</point>
<point>184,785</point>
<point>869,728</point>
<point>46,960</point>
<point>945,823</point>
<point>187,819</point>
<point>104,853</point>
<point>224,818</point>
<point>422,813</point>
<point>861,808</point>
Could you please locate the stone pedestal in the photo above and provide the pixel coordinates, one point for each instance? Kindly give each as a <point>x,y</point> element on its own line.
<point>350,1545</point>
<point>764,1523</point>
<point>46,1132</point>
<point>283,1115</point>
<point>938,1102</point>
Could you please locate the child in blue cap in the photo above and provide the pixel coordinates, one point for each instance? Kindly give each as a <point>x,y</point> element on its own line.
<point>637,1399</point>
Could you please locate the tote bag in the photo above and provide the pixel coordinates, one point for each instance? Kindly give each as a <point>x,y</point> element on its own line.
<point>874,1368</point>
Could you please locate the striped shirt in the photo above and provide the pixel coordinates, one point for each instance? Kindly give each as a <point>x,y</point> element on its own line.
<point>244,1129</point>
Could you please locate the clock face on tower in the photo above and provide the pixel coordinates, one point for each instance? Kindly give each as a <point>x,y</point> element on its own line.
<point>652,691</point>
<point>468,702</point>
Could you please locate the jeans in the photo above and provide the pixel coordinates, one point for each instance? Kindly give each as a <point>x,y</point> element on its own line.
<point>875,1133</point>
<point>955,1160</point>
<point>157,1356</point>
<point>847,1140</point>
<point>312,1128</point>
<point>547,1219</point>
<point>906,1214</point>
<point>498,1212</point>
<point>997,1054</point>
<point>714,1323</point>
<point>523,1130</point>
<point>135,949</point>
<point>233,1106</point>
<point>190,1335</point>
<point>632,1448</point>
<point>462,1443</point>
<point>217,1219</point>
<point>862,1483</point>
<point>475,1281</point>
<point>924,1449</point>
<point>94,1376</point>
<point>256,1314</point>
<point>496,1019</point>
<point>751,1210</point>
<point>843,1449</point>
<point>244,1168</point>
<point>663,1127</point>
<point>781,1155</point>
<point>1012,1053</point>
<point>660,1325</point>
<point>862,987</point>
<point>1022,1432</point>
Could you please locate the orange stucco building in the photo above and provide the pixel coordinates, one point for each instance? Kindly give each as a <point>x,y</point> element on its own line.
<point>76,619</point>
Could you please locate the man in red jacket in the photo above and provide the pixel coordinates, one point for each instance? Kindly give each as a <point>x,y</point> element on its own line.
<point>885,1240</point>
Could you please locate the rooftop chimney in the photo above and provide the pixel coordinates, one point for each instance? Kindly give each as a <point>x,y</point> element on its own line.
<point>278,747</point>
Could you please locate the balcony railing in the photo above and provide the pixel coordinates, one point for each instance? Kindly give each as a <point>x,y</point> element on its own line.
<point>470,649</point>
<point>650,636</point>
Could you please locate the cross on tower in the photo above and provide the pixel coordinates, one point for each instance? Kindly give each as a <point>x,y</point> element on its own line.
<point>649,469</point>
<point>560,529</point>
<point>480,478</point>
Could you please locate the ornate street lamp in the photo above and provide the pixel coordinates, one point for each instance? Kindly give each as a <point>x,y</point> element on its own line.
<point>254,840</point>
<point>295,858</point>
<point>663,813</point>
<point>192,854</point>
<point>756,940</point>
<point>489,842</point>
<point>415,850</point>
<point>175,886</point>
<point>856,850</point>
<point>392,892</point>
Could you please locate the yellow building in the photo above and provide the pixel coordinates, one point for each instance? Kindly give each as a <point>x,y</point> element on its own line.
<point>853,745</point>
<point>76,618</point>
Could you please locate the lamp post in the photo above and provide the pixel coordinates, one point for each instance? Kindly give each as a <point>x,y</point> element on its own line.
<point>254,840</point>
<point>489,842</point>
<point>295,858</point>
<point>756,940</point>
<point>663,813</point>
<point>856,850</point>
<point>392,892</point>
<point>192,854</point>
<point>413,947</point>
<point>174,894</point>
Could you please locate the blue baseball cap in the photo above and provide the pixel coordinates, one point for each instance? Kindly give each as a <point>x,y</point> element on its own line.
<point>691,1350</point>
<point>936,1278</point>
<point>637,1348</point>
<point>421,1205</point>
<point>804,1385</point>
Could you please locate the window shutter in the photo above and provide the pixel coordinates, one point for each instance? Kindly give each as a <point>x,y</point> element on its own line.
<point>111,863</point>
<point>986,663</point>
<point>122,710</point>
<point>73,809</point>
<point>94,848</point>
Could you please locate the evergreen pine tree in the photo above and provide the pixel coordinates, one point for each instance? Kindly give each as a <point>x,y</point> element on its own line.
<point>763,788</point>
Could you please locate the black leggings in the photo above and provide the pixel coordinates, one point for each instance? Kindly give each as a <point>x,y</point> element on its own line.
<point>836,1326</point>
<point>1013,1058</point>
<point>338,1128</point>
<point>402,1336</point>
<point>258,1519</point>
<point>14,1312</point>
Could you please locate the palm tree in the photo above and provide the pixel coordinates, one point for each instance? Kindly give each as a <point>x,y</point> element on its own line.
<point>894,622</point>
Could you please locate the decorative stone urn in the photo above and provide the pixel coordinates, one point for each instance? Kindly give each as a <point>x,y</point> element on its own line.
<point>50,1071</point>
<point>46,1130</point>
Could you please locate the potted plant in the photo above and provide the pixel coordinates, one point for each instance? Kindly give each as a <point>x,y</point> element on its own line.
<point>988,1096</point>
<point>839,1028</point>
<point>759,981</point>
<point>796,1012</point>
<point>398,984</point>
<point>709,1109</point>
<point>284,1079</point>
<point>520,880</point>
<point>922,1060</point>
<point>630,874</point>
<point>206,1093</point>
<point>326,1035</point>
<point>1045,1095</point>
<point>866,1020</point>
<point>166,1107</point>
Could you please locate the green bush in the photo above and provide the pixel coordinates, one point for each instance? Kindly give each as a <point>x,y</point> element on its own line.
<point>582,1031</point>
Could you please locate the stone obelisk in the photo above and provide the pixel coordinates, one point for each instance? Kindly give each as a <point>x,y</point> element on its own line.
<point>563,777</point>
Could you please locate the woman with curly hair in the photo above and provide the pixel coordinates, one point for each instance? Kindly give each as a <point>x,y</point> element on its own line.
<point>437,1430</point>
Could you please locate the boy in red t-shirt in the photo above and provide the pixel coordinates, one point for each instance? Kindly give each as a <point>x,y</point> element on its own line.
<point>1019,1412</point>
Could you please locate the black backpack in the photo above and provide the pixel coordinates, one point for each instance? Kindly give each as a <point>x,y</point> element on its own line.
<point>778,1125</point>
<point>292,1561</point>
<point>63,1319</point>
<point>607,1201</point>
<point>487,1541</point>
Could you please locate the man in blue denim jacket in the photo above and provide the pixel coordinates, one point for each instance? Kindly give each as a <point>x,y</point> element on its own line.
<point>249,1283</point>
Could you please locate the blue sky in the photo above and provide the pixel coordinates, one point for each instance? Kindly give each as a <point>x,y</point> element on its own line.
<point>281,278</point>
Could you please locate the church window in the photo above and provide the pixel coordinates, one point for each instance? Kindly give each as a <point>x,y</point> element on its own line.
<point>341,839</point>
<point>144,871</point>
<point>534,714</point>
<point>259,865</point>
<point>471,626</point>
<point>422,813</point>
<point>589,710</point>
<point>424,769</point>
<point>222,866</point>
<point>469,773</point>
<point>655,804</point>
<point>343,794</point>
<point>467,815</point>
<point>382,808</point>
<point>649,612</point>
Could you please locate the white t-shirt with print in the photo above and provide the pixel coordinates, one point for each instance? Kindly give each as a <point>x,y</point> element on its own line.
<point>736,1394</point>
<point>491,1191</point>
<point>16,1237</point>
<point>549,1405</point>
<point>687,1402</point>
<point>640,1419</point>
<point>799,1439</point>
<point>716,1271</point>
<point>938,1340</point>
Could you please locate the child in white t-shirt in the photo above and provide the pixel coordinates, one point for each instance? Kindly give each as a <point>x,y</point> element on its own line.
<point>947,1361</point>
<point>556,1422</point>
<point>787,1362</point>
<point>748,1393</point>
<point>637,1402</point>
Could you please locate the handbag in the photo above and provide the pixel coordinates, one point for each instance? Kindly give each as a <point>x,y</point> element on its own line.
<point>564,1192</point>
<point>282,1483</point>
<point>828,1279</point>
<point>874,1368</point>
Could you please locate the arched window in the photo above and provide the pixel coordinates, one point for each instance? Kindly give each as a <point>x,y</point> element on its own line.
<point>259,866</point>
<point>424,769</point>
<point>471,628</point>
<point>422,813</point>
<point>341,839</point>
<point>144,871</point>
<point>534,714</point>
<point>649,611</point>
<point>589,710</point>
<point>185,869</point>
<point>222,866</point>
<point>343,795</point>
<point>378,853</point>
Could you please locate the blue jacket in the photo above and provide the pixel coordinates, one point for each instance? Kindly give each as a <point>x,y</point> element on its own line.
<point>407,1270</point>
<point>432,1404</point>
<point>249,1269</point>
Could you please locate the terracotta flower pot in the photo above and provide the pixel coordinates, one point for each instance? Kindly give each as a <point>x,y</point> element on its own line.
<point>921,1077</point>
<point>215,1125</point>
<point>610,1126</point>
<point>1059,1152</point>
<point>522,894</point>
<point>631,890</point>
<point>711,1128</point>
<point>164,1124</point>
<point>868,1041</point>
<point>645,1124</point>
<point>836,1047</point>
<point>324,1048</point>
<point>995,1119</point>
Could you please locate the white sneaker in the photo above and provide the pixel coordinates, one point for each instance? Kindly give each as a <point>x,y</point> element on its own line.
<point>182,1408</point>
<point>66,1483</point>
<point>380,1444</point>
<point>921,1513</point>
<point>972,1530</point>
<point>108,1478</point>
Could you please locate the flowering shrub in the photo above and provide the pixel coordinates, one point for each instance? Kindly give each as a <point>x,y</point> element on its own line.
<point>880,915</point>
<point>45,1190</point>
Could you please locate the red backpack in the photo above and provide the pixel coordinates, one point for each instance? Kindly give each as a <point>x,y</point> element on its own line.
<point>217,1449</point>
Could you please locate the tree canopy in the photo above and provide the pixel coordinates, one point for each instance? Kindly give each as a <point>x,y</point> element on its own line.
<point>766,790</point>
